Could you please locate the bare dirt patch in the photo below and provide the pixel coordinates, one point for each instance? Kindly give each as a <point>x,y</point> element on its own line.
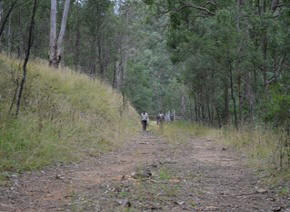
<point>144,175</point>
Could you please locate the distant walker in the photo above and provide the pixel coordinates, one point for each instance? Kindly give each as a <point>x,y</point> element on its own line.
<point>144,120</point>
<point>160,120</point>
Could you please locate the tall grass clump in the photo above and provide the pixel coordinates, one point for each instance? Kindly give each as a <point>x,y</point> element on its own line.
<point>64,116</point>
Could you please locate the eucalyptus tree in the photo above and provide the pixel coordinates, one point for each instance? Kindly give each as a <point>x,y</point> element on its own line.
<point>233,54</point>
<point>56,42</point>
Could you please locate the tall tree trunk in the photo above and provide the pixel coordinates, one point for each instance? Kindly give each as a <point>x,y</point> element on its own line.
<point>77,41</point>
<point>264,6</point>
<point>60,46</point>
<point>183,106</point>
<point>239,51</point>
<point>77,50</point>
<point>190,107</point>
<point>9,45</point>
<point>264,68</point>
<point>218,116</point>
<point>226,102</point>
<point>249,94</point>
<point>196,107</point>
<point>233,97</point>
<point>92,57</point>
<point>118,72</point>
<point>56,43</point>
<point>20,36</point>
<point>238,14</point>
<point>1,10</point>
<point>29,45</point>
<point>120,65</point>
<point>240,96</point>
<point>100,56</point>
<point>258,7</point>
<point>52,38</point>
<point>5,19</point>
<point>114,83</point>
<point>208,109</point>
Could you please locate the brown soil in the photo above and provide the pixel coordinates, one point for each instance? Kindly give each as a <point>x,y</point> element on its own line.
<point>146,174</point>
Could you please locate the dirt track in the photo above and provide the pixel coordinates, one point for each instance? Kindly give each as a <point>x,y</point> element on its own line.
<point>145,175</point>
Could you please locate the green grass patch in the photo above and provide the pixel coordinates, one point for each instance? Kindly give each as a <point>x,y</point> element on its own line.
<point>164,174</point>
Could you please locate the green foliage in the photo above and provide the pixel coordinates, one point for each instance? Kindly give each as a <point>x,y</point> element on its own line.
<point>164,174</point>
<point>151,79</point>
<point>230,56</point>
<point>278,106</point>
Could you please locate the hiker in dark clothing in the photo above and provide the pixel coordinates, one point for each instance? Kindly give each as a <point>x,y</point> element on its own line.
<point>144,120</point>
<point>171,117</point>
<point>157,119</point>
<point>162,119</point>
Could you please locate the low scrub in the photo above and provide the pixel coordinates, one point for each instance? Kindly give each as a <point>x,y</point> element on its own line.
<point>64,116</point>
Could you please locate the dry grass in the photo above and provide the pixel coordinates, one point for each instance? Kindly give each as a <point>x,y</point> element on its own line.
<point>181,131</point>
<point>264,147</point>
<point>64,116</point>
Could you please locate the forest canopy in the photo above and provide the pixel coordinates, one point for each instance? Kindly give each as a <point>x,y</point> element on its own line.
<point>215,62</point>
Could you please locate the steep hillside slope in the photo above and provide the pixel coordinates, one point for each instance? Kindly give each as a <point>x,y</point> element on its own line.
<point>64,116</point>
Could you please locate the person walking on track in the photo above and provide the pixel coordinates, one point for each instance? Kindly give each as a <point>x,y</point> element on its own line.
<point>144,120</point>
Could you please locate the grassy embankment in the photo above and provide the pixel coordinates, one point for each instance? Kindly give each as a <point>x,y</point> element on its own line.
<point>64,116</point>
<point>264,147</point>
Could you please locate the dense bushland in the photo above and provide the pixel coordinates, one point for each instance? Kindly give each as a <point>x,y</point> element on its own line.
<point>233,59</point>
<point>64,116</point>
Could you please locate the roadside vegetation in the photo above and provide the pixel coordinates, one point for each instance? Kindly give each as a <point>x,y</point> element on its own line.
<point>267,150</point>
<point>64,116</point>
<point>182,131</point>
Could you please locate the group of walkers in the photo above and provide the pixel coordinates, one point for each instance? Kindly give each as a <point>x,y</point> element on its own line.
<point>167,117</point>
<point>160,119</point>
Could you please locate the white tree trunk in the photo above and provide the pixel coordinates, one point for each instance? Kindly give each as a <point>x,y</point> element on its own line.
<point>62,29</point>
<point>52,38</point>
<point>56,43</point>
<point>1,10</point>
